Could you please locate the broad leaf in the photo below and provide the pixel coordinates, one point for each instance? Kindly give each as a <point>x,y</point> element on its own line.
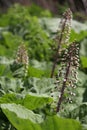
<point>23,119</point>
<point>56,123</point>
<point>29,101</point>
<point>36,101</point>
<point>39,86</point>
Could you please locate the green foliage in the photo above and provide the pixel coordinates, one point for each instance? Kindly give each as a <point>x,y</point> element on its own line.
<point>55,122</point>
<point>80,113</point>
<point>9,43</point>
<point>10,85</point>
<point>24,119</point>
<point>30,121</point>
<point>83,50</point>
<point>83,53</point>
<point>25,102</point>
<point>36,72</point>
<point>40,85</point>
<point>24,27</point>
<point>29,101</point>
<point>84,61</point>
<point>78,36</point>
<point>38,11</point>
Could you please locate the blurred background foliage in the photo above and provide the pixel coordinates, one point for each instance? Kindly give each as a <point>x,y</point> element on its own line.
<point>57,7</point>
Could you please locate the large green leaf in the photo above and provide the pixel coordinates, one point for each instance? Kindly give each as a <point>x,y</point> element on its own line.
<point>35,101</point>
<point>29,101</point>
<point>56,123</point>
<point>23,119</point>
<point>39,86</point>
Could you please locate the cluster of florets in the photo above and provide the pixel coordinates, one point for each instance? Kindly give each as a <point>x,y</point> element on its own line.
<point>22,57</point>
<point>65,27</point>
<point>67,74</point>
<point>67,55</point>
<point>66,78</point>
<point>62,38</point>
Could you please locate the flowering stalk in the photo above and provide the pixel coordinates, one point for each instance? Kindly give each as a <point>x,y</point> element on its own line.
<point>71,62</point>
<point>63,37</point>
<point>22,57</point>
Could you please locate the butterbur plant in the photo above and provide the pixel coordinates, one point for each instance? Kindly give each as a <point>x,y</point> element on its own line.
<point>22,55</point>
<point>66,78</point>
<point>21,61</point>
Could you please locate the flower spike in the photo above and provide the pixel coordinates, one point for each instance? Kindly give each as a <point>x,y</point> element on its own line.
<point>63,36</point>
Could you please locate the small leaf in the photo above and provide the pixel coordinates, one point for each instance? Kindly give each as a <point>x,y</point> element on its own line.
<point>84,61</point>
